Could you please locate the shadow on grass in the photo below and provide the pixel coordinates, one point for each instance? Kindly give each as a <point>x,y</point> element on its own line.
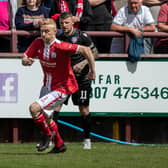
<point>23,153</point>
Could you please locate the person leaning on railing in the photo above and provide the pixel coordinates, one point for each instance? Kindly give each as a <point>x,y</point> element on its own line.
<point>154,6</point>
<point>8,9</point>
<point>103,14</point>
<point>133,19</point>
<point>161,45</point>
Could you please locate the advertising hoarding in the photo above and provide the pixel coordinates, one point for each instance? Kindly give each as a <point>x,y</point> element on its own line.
<point>120,87</point>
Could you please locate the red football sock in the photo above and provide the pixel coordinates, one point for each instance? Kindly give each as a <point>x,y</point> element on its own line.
<point>41,122</point>
<point>54,128</point>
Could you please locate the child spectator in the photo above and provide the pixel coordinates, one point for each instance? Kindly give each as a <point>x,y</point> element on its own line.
<point>27,18</point>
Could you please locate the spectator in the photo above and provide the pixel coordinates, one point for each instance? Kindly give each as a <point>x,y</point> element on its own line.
<point>27,18</point>
<point>8,9</point>
<point>47,3</point>
<point>59,78</point>
<point>103,13</point>
<point>80,68</point>
<point>154,6</point>
<point>161,45</point>
<point>135,19</point>
<point>81,10</point>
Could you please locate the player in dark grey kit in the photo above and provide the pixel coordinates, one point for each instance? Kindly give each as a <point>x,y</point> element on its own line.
<point>80,68</point>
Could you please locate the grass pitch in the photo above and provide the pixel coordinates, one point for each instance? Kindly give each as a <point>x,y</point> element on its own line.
<point>102,155</point>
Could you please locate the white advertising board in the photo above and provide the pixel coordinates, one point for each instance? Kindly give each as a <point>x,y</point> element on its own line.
<point>19,86</point>
<point>120,87</point>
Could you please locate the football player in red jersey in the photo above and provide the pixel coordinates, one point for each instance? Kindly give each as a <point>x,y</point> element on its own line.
<point>59,79</point>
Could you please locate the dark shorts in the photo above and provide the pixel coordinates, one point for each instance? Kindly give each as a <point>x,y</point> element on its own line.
<point>81,97</point>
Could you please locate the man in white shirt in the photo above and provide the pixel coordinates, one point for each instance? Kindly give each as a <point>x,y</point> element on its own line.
<point>135,19</point>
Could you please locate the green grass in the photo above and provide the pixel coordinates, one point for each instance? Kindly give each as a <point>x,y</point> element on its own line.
<point>102,155</point>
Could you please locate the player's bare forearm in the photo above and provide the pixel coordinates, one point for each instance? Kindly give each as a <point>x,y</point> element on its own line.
<point>79,67</point>
<point>87,53</point>
<point>95,52</point>
<point>91,75</point>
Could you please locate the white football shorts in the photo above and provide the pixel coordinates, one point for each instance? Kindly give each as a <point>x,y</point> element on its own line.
<point>50,100</point>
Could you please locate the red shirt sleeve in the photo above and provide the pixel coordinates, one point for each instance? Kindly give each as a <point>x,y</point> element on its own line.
<point>68,48</point>
<point>33,49</point>
<point>163,14</point>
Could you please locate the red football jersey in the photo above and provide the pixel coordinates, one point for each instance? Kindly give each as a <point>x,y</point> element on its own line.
<point>56,64</point>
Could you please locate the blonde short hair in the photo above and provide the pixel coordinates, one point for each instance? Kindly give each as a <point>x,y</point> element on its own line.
<point>47,21</point>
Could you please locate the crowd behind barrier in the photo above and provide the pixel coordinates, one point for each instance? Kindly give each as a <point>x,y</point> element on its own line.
<point>13,35</point>
<point>112,8</point>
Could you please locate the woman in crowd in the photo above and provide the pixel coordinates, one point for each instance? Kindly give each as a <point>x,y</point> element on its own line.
<point>27,18</point>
